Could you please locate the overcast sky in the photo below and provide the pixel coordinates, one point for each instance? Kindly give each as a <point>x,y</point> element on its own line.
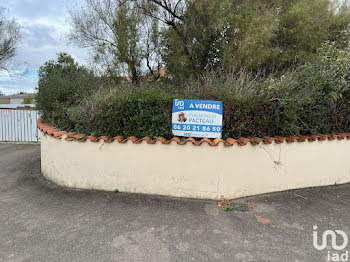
<point>44,26</point>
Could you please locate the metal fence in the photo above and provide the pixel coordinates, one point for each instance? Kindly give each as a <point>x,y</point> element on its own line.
<point>18,125</point>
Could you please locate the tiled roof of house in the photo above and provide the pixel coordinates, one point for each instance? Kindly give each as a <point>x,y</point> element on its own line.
<point>18,96</point>
<point>71,136</point>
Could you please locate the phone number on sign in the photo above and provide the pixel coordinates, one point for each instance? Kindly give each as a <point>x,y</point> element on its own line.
<point>198,128</point>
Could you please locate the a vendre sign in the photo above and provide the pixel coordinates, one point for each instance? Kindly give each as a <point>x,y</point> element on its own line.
<point>197,118</point>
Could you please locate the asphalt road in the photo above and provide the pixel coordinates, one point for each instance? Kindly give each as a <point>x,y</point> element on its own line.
<point>40,221</point>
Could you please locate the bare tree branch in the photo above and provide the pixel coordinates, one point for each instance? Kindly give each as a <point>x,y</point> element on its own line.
<point>9,38</point>
<point>118,32</point>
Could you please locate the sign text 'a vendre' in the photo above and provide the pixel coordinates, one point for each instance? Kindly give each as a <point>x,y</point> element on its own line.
<point>197,118</point>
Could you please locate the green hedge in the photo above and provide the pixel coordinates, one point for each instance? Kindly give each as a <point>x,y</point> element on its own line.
<point>140,112</point>
<point>311,99</point>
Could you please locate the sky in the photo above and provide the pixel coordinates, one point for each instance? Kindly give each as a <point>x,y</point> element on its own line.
<point>44,27</point>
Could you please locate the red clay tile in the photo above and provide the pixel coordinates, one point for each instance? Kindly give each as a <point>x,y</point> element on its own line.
<point>279,139</point>
<point>322,137</point>
<point>193,141</point>
<point>331,137</point>
<point>302,138</point>
<point>50,131</point>
<point>256,140</point>
<point>291,139</point>
<point>59,134</point>
<point>92,138</point>
<point>122,141</point>
<point>148,140</point>
<point>134,139</point>
<point>217,141</point>
<point>177,140</point>
<point>230,141</point>
<point>340,136</point>
<point>206,140</point>
<point>118,138</point>
<point>314,138</point>
<point>243,141</point>
<point>163,140</point>
<point>79,136</point>
<point>104,138</point>
<point>268,140</point>
<point>343,136</point>
<point>73,136</point>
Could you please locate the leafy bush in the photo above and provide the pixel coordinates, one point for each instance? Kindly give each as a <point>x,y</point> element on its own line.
<point>143,111</point>
<point>28,100</point>
<point>313,98</point>
<point>62,83</point>
<point>327,110</point>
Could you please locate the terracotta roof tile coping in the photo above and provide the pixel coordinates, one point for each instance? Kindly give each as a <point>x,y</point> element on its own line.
<point>73,136</point>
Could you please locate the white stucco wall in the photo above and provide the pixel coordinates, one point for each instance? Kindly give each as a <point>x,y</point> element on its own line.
<point>195,171</point>
<point>16,101</point>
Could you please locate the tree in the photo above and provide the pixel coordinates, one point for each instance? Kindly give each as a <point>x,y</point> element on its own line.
<point>193,36</point>
<point>9,38</point>
<point>190,40</point>
<point>62,84</point>
<point>28,100</point>
<point>278,34</point>
<point>251,34</point>
<point>122,38</point>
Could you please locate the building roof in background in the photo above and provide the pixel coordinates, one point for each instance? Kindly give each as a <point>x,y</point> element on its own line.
<point>18,96</point>
<point>162,72</point>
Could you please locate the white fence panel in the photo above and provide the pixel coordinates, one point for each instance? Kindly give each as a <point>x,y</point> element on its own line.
<point>18,125</point>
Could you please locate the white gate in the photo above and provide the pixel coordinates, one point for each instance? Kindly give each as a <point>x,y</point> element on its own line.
<point>18,125</point>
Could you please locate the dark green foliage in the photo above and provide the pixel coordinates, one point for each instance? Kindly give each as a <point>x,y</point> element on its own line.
<point>311,99</point>
<point>328,78</point>
<point>190,37</point>
<point>62,83</point>
<point>256,35</point>
<point>142,111</point>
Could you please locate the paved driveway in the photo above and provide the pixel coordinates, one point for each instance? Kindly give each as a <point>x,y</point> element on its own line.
<point>40,221</point>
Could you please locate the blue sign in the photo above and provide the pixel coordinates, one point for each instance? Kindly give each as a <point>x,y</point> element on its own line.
<point>197,118</point>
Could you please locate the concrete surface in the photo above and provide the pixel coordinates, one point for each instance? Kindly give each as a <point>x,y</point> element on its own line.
<point>40,221</point>
<point>204,172</point>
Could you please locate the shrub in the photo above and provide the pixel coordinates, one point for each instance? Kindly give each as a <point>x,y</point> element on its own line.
<point>141,111</point>
<point>28,100</point>
<point>327,109</point>
<point>313,98</point>
<point>62,83</point>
